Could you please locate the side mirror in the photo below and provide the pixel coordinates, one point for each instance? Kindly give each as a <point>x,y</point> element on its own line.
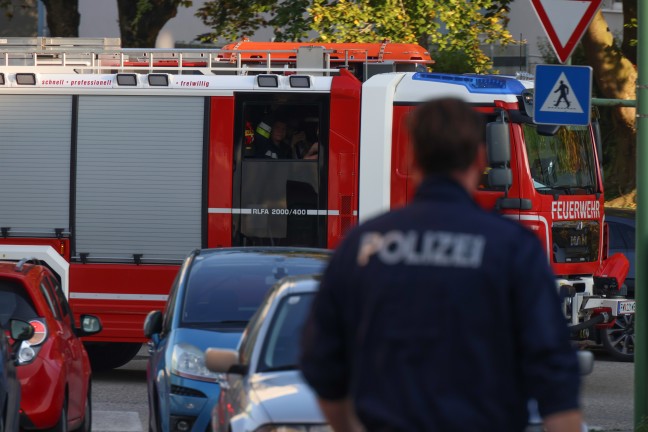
<point>547,130</point>
<point>153,324</point>
<point>223,361</point>
<point>585,362</point>
<point>20,330</point>
<point>498,141</point>
<point>90,325</point>
<point>500,177</point>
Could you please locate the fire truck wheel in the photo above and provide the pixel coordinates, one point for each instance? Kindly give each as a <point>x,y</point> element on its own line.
<point>106,356</point>
<point>619,340</point>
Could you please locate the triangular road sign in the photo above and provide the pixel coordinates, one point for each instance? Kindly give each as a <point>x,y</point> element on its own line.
<point>565,22</point>
<point>562,98</point>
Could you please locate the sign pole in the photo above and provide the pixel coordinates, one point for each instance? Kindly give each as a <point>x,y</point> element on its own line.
<point>641,295</point>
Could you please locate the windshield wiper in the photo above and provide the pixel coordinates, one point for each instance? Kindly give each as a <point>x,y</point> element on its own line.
<point>281,368</point>
<point>242,322</point>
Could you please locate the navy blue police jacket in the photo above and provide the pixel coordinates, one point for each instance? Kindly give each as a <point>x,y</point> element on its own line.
<point>440,316</point>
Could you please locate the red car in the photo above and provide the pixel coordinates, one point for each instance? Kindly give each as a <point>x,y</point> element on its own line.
<point>53,366</point>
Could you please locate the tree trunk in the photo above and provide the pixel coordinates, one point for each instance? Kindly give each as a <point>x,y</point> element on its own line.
<point>140,21</point>
<point>63,17</point>
<point>616,77</point>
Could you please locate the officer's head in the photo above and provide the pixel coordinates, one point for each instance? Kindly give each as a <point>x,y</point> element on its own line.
<point>447,137</point>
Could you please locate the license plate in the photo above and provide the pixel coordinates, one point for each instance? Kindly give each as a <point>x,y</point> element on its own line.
<point>626,307</point>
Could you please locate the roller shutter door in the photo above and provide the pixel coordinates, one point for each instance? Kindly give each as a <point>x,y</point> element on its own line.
<point>139,177</point>
<point>35,164</point>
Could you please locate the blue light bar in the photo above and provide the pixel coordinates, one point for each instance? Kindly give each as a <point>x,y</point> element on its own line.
<point>485,84</point>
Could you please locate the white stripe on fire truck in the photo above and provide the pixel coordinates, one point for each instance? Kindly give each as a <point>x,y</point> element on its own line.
<point>112,296</point>
<point>540,219</point>
<point>217,210</point>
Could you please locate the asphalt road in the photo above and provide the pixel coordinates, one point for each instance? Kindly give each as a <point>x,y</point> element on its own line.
<point>120,400</point>
<point>608,395</point>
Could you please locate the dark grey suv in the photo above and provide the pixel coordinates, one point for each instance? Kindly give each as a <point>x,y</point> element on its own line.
<point>619,339</point>
<point>622,239</point>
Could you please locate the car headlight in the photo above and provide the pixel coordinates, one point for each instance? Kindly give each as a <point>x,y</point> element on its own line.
<point>189,362</point>
<point>294,428</point>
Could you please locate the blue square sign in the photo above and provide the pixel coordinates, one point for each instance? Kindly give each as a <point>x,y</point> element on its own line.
<point>562,95</point>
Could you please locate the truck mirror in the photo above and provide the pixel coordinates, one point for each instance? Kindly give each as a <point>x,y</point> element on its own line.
<point>500,178</point>
<point>498,142</point>
<point>548,130</point>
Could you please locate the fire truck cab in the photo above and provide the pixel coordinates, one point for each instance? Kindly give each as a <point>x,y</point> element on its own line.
<point>547,177</point>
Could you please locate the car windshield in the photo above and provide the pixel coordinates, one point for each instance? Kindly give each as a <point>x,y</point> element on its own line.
<point>561,164</point>
<point>14,303</point>
<point>281,344</point>
<point>227,292</point>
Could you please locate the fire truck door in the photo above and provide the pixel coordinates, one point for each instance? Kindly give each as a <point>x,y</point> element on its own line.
<point>279,196</point>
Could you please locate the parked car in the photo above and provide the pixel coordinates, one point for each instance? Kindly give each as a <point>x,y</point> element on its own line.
<point>215,294</point>
<point>53,366</point>
<point>619,339</point>
<point>265,387</point>
<point>622,227</point>
<point>263,390</point>
<point>9,383</point>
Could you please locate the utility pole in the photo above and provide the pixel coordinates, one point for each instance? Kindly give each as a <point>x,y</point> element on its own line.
<point>641,294</point>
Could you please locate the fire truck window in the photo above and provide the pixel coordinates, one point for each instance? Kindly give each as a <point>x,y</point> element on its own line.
<point>289,132</point>
<point>562,163</point>
<point>280,188</point>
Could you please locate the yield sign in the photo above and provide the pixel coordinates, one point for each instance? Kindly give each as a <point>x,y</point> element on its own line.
<point>565,21</point>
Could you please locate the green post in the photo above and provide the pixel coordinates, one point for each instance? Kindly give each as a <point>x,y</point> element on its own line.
<point>641,323</point>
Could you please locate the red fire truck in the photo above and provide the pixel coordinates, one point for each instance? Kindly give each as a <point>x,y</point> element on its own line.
<point>123,161</point>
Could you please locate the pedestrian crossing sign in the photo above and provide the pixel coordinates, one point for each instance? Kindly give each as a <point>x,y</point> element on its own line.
<point>562,95</point>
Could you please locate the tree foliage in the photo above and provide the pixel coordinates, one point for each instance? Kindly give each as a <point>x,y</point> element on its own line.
<point>234,19</point>
<point>450,25</point>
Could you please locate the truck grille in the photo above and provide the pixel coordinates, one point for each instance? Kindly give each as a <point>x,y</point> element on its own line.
<point>575,241</point>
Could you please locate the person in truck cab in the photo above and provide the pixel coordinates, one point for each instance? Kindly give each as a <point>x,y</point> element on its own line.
<point>440,316</point>
<point>270,142</point>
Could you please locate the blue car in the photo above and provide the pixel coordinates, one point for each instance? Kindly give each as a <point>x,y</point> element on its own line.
<point>215,294</point>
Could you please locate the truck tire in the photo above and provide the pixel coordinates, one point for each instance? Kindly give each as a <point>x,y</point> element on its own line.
<point>619,340</point>
<point>110,355</point>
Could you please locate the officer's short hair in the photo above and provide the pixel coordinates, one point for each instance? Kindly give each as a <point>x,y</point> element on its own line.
<point>445,134</point>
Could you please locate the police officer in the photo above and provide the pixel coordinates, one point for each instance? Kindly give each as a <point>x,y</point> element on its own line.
<point>441,316</point>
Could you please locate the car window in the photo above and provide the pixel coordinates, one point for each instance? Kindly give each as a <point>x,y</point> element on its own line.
<point>251,333</point>
<point>46,290</point>
<point>225,293</point>
<point>282,342</point>
<point>170,306</point>
<point>616,238</point>
<point>60,296</point>
<point>15,303</point>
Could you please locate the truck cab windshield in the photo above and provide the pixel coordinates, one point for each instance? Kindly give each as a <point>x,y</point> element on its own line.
<point>562,164</point>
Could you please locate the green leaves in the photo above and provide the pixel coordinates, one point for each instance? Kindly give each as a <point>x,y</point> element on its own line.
<point>459,26</point>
